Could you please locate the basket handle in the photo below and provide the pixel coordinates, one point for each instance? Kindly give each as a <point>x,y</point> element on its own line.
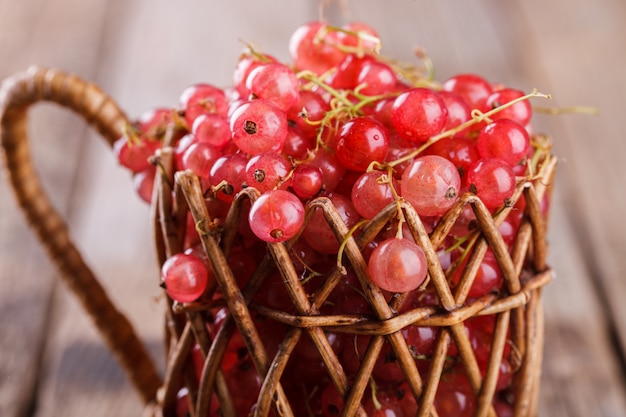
<point>17,94</point>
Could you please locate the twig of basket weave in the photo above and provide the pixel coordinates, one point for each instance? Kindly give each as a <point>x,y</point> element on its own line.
<point>18,94</point>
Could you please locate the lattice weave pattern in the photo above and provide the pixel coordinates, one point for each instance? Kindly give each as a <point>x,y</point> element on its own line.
<point>515,311</point>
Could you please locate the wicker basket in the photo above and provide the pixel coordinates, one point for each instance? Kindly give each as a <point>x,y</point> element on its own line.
<point>517,309</point>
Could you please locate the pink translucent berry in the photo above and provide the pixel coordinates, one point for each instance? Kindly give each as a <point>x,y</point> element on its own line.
<point>185,277</point>
<point>431,184</point>
<point>313,47</point>
<point>275,82</point>
<point>418,114</point>
<point>398,265</point>
<point>276,216</point>
<point>258,126</point>
<point>372,192</point>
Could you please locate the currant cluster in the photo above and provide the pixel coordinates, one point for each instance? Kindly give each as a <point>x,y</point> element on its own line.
<point>343,122</point>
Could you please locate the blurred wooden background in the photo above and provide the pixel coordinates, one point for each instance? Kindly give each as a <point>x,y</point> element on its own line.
<point>144,52</point>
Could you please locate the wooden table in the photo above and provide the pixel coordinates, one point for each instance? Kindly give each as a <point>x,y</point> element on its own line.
<point>144,53</point>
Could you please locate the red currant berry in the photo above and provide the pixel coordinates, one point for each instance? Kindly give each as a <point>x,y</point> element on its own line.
<point>361,36</point>
<point>199,158</point>
<point>431,184</point>
<point>521,112</point>
<point>458,110</point>
<point>212,129</point>
<point>153,123</point>
<point>459,150</point>
<point>200,99</point>
<point>488,277</point>
<point>247,62</point>
<point>376,78</point>
<point>274,82</point>
<point>258,126</point>
<point>267,171</point>
<point>312,47</point>
<point>185,277</point>
<point>307,181</point>
<point>398,265</point>
<point>504,139</point>
<point>360,142</point>
<point>143,182</point>
<point>308,112</point>
<point>492,180</point>
<point>372,192</point>
<point>473,88</point>
<point>134,153</point>
<point>229,174</point>
<point>318,234</point>
<point>418,114</point>
<point>276,216</point>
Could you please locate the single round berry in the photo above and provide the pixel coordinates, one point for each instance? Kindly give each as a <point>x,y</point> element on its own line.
<point>488,277</point>
<point>228,173</point>
<point>473,88</point>
<point>276,216</point>
<point>267,171</point>
<point>492,180</point>
<point>313,47</point>
<point>212,129</point>
<point>247,62</point>
<point>185,277</point>
<point>431,184</point>
<point>361,36</point>
<point>307,181</point>
<point>152,124</point>
<point>418,114</point>
<point>372,192</point>
<point>376,78</point>
<point>504,139</point>
<point>360,142</point>
<point>521,112</point>
<point>398,265</point>
<point>258,126</point>
<point>199,158</point>
<point>134,153</point>
<point>275,82</point>
<point>345,76</point>
<point>143,182</point>
<point>332,169</point>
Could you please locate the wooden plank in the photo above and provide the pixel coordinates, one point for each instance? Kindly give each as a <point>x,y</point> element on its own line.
<point>581,375</point>
<point>582,46</point>
<point>33,33</point>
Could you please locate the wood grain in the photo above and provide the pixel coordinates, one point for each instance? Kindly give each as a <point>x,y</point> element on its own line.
<point>144,53</point>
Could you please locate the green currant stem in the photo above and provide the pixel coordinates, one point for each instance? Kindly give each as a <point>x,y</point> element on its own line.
<point>131,134</point>
<point>359,50</point>
<point>345,241</point>
<point>565,110</point>
<point>256,54</point>
<point>312,77</point>
<point>374,388</point>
